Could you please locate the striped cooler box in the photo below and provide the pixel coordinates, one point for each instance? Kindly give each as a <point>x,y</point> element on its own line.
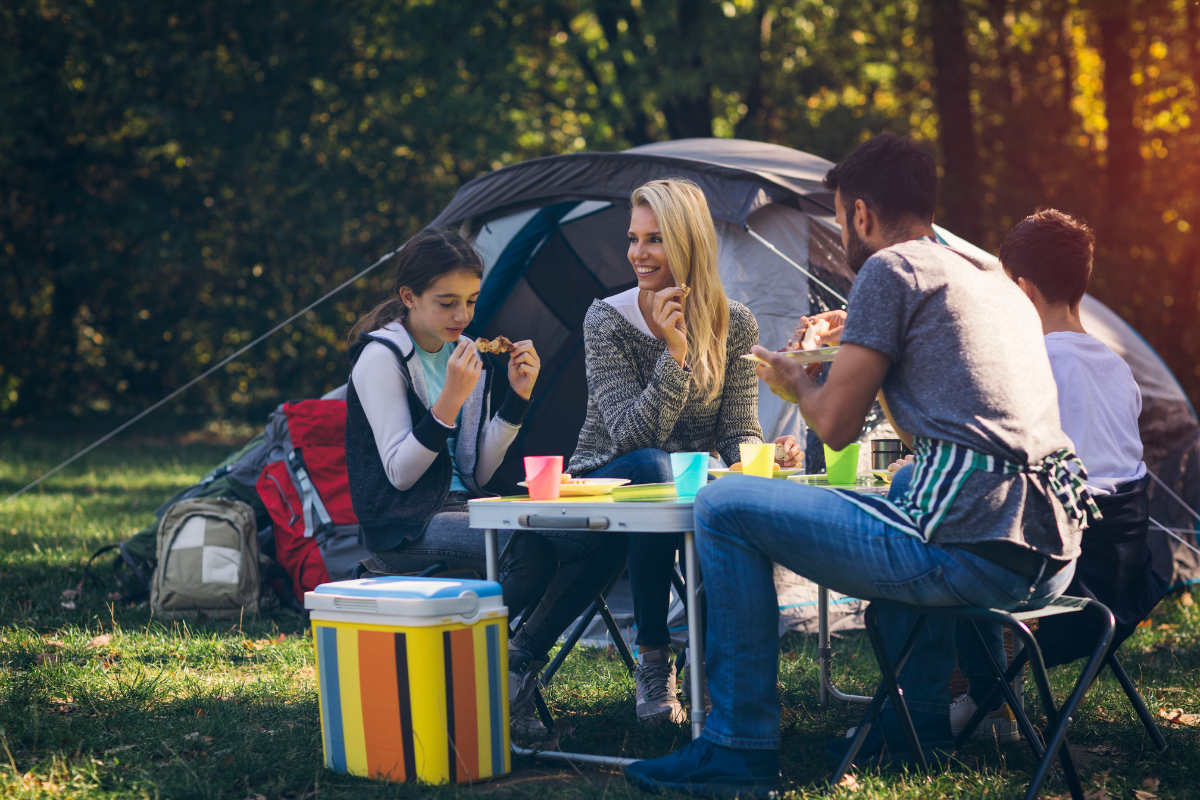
<point>412,674</point>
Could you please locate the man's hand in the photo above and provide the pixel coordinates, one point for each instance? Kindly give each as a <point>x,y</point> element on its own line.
<point>781,373</point>
<point>836,409</point>
<point>837,323</point>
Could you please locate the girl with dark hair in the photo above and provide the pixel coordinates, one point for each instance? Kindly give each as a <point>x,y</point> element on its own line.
<point>421,441</point>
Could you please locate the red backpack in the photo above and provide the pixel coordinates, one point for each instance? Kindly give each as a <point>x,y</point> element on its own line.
<point>306,492</point>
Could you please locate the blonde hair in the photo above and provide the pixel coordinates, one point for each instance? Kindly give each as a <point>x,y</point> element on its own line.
<point>690,241</point>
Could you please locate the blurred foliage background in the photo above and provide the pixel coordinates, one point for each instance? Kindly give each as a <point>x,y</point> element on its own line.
<point>176,177</point>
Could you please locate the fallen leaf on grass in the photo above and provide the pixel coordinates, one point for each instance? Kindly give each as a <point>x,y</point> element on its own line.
<point>69,605</point>
<point>207,739</point>
<point>101,640</point>
<point>1141,794</point>
<point>71,594</point>
<point>120,749</point>
<point>1177,717</point>
<point>46,658</point>
<point>192,735</point>
<point>1150,784</point>
<point>848,781</point>
<point>1098,794</point>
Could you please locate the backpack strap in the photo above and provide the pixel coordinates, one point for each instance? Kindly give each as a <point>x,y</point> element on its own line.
<point>310,499</point>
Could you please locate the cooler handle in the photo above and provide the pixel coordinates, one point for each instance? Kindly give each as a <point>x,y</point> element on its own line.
<point>588,523</point>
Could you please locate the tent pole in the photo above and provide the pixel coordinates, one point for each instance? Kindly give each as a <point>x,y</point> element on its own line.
<point>201,377</point>
<point>781,254</point>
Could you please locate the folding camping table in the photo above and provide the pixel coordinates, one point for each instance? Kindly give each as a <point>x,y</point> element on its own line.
<point>652,508</point>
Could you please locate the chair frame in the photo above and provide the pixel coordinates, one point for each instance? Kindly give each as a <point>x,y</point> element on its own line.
<point>1057,717</point>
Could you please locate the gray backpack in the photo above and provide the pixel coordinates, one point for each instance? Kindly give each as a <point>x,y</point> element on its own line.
<point>207,560</point>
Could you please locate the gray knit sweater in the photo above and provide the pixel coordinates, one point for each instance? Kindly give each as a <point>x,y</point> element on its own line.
<point>638,396</point>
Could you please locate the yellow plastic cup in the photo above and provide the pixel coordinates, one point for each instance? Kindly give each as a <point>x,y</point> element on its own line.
<point>758,459</point>
<point>841,466</point>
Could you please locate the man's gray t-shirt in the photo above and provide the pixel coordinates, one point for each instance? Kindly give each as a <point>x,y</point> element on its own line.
<point>969,366</point>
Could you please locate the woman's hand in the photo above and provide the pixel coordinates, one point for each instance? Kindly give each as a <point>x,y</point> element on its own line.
<point>462,373</point>
<point>793,456</point>
<point>668,315</point>
<point>523,368</point>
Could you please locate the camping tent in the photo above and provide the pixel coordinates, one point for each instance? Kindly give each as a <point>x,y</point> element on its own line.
<point>552,233</point>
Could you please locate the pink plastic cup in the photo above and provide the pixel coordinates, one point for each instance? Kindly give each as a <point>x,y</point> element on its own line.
<point>543,476</point>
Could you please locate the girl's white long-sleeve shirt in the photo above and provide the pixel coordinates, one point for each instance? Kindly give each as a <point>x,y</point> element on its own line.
<point>382,389</point>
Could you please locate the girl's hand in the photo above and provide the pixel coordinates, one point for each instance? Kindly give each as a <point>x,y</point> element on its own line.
<point>895,466</point>
<point>462,373</point>
<point>793,456</point>
<point>668,315</point>
<point>523,368</point>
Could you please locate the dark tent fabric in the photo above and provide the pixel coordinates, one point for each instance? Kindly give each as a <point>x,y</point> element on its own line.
<point>737,177</point>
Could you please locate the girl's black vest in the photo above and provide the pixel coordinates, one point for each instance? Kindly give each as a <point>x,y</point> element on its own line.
<point>387,516</point>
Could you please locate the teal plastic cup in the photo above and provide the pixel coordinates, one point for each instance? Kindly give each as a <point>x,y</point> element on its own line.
<point>841,466</point>
<point>690,471</point>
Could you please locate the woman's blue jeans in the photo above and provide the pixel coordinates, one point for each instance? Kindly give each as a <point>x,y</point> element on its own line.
<point>745,525</point>
<point>651,555</point>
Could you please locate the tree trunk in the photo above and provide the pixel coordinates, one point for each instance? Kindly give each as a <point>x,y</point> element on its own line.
<point>1192,40</point>
<point>1124,159</point>
<point>956,123</point>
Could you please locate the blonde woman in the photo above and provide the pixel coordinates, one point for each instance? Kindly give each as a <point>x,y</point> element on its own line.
<point>664,376</point>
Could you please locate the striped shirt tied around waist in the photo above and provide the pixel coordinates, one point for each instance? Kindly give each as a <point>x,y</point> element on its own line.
<point>940,469</point>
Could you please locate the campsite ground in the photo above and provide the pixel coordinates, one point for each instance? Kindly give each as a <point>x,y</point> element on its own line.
<point>102,701</point>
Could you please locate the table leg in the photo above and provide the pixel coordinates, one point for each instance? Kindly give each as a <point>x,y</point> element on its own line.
<point>491,557</point>
<point>695,636</point>
<point>825,656</point>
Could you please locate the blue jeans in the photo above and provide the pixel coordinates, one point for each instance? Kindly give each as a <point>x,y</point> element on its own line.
<point>651,555</point>
<point>744,525</point>
<point>972,663</point>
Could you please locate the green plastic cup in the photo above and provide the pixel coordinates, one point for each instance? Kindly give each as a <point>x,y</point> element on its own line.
<point>841,466</point>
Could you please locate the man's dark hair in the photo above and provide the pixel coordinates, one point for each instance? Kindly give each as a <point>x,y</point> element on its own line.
<point>895,177</point>
<point>1053,251</point>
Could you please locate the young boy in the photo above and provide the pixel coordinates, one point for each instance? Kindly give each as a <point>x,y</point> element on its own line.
<point>1049,256</point>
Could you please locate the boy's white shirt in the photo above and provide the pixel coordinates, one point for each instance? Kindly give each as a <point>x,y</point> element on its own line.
<point>383,392</point>
<point>1099,403</point>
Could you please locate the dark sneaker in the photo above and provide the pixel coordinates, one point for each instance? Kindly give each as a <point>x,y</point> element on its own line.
<point>885,744</point>
<point>657,700</point>
<point>710,770</point>
<point>524,724</point>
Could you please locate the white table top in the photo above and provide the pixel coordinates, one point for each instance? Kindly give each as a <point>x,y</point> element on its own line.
<point>647,508</point>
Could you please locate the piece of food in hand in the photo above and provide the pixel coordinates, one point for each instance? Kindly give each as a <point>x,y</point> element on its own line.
<point>780,453</point>
<point>500,344</point>
<point>686,291</point>
<point>806,333</point>
<point>566,477</point>
<point>735,466</point>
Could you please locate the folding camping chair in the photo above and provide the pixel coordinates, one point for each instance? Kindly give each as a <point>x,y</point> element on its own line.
<point>1057,718</point>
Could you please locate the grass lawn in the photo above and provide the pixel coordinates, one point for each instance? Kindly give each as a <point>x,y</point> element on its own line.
<point>97,701</point>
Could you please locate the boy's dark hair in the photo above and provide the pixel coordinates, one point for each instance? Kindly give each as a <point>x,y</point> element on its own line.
<point>1053,251</point>
<point>895,177</point>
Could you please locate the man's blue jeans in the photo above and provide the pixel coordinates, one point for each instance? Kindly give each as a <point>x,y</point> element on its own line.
<point>971,661</point>
<point>744,525</point>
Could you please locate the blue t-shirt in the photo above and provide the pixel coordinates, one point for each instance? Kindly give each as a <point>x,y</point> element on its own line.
<point>434,366</point>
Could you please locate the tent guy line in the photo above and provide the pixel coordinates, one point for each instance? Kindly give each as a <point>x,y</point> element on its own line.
<point>1171,532</point>
<point>201,377</point>
<point>810,276</point>
<point>1190,510</point>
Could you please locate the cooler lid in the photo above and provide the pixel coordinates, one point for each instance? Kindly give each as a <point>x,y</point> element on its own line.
<point>408,587</point>
<point>397,595</point>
